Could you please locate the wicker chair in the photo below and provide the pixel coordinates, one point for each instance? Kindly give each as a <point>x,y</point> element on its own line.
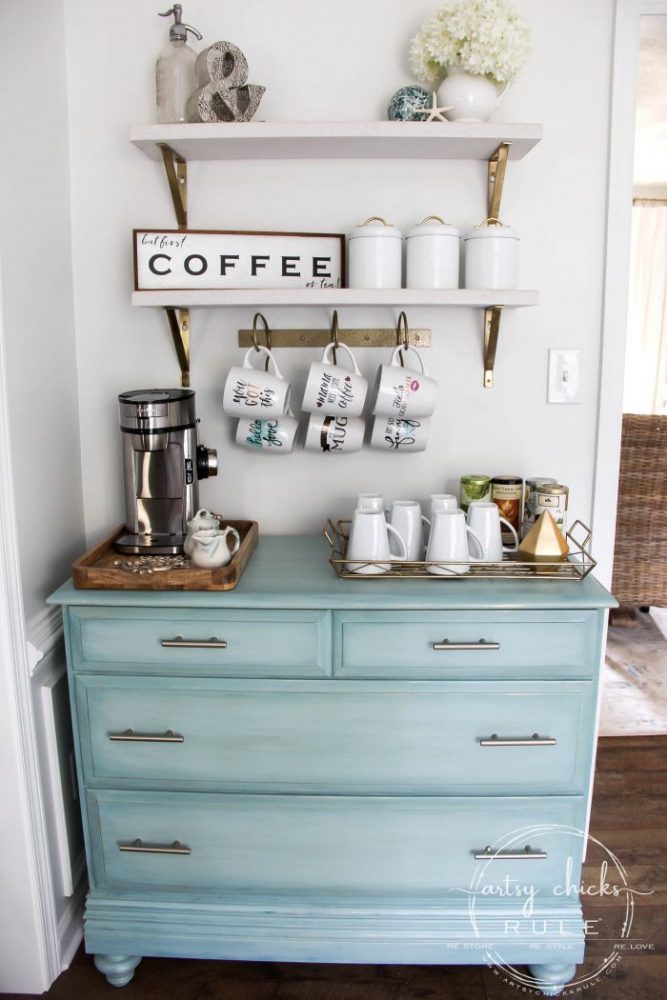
<point>640,554</point>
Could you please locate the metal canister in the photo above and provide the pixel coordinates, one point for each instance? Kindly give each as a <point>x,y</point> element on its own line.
<point>432,254</point>
<point>554,498</point>
<point>474,487</point>
<point>529,496</point>
<point>507,494</point>
<point>491,256</point>
<point>375,255</point>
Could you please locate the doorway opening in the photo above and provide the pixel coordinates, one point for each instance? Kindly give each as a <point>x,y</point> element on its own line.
<point>635,674</point>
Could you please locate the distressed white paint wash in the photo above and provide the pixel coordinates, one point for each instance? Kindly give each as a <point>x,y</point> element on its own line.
<point>341,62</point>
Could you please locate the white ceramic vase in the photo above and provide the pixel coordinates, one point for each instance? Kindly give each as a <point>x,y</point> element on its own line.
<point>471,98</point>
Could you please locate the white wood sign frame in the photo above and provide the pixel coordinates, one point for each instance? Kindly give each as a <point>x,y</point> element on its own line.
<point>204,259</point>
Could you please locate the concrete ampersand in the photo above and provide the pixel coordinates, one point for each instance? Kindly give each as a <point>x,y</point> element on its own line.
<point>223,94</point>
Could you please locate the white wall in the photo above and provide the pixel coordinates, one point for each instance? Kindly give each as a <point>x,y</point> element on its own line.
<point>39,462</point>
<point>35,248</point>
<point>342,62</point>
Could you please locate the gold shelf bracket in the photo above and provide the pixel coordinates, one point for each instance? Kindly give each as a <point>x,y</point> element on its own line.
<point>176,169</point>
<point>351,337</point>
<point>180,334</point>
<point>491,329</point>
<point>497,171</point>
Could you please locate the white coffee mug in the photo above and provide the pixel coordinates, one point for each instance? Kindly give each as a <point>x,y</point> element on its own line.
<point>332,390</point>
<point>404,392</point>
<point>485,521</point>
<point>334,434</point>
<point>270,435</point>
<point>448,540</point>
<point>406,517</point>
<point>370,501</point>
<point>251,392</point>
<point>404,435</point>
<point>440,501</point>
<point>368,544</point>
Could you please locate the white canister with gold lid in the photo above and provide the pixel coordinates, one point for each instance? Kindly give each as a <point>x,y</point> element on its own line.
<point>492,256</point>
<point>432,254</point>
<point>375,252</point>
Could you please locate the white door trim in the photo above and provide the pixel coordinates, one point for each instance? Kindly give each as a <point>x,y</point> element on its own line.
<point>14,664</point>
<point>617,270</point>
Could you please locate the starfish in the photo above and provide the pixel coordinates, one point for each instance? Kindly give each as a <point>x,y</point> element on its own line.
<point>434,113</point>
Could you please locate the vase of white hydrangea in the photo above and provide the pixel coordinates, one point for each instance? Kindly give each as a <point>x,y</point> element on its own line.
<point>474,48</point>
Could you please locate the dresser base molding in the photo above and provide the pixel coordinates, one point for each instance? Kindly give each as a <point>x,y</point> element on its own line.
<point>401,932</point>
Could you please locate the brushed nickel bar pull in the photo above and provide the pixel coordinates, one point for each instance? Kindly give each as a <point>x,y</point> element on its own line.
<point>455,646</point>
<point>180,643</point>
<point>129,736</point>
<point>138,847</point>
<point>527,852</point>
<point>535,741</point>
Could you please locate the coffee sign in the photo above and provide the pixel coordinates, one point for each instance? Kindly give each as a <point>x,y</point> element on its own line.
<point>172,259</point>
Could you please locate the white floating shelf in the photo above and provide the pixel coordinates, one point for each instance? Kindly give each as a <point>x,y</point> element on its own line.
<point>339,297</point>
<point>336,140</point>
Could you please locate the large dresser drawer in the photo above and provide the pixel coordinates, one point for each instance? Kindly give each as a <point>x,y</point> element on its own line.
<point>315,845</point>
<point>336,736</point>
<point>466,644</point>
<point>233,643</point>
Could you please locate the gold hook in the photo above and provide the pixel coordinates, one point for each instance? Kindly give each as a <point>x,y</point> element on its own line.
<point>267,334</point>
<point>334,335</point>
<point>405,343</point>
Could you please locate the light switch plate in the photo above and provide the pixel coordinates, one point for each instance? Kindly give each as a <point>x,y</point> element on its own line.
<point>564,381</point>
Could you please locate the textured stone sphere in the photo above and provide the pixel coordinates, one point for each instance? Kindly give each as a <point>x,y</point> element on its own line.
<point>409,104</point>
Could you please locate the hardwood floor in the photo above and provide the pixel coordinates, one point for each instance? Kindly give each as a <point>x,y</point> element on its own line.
<point>629,818</point>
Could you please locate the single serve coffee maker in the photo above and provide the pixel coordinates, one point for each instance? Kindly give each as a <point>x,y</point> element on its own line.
<point>162,464</point>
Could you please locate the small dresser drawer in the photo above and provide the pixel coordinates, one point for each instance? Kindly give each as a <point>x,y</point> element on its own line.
<point>232,643</point>
<point>349,737</point>
<point>468,644</point>
<point>314,845</point>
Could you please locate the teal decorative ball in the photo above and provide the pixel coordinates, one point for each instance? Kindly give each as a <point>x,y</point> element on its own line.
<point>409,104</point>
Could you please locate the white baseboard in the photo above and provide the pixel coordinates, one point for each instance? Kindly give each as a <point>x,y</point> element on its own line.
<point>70,925</point>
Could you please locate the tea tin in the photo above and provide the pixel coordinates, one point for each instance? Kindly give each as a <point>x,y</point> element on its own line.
<point>507,493</point>
<point>554,498</point>
<point>529,494</point>
<point>474,487</point>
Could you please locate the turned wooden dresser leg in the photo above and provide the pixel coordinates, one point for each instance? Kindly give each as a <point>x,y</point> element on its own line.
<point>118,969</point>
<point>551,979</point>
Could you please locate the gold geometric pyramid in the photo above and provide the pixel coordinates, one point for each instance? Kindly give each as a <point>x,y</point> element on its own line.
<point>544,542</point>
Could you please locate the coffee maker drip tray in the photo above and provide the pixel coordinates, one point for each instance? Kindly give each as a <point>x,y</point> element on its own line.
<point>156,545</point>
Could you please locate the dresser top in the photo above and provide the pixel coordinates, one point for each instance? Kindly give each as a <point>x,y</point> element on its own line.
<point>294,572</point>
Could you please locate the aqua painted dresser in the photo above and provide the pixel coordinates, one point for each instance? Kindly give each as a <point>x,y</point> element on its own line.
<point>314,769</point>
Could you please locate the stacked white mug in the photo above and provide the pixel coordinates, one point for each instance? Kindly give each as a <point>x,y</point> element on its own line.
<point>261,401</point>
<point>334,397</point>
<point>405,398</point>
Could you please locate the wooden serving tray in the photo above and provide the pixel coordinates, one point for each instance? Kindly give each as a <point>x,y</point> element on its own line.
<point>104,569</point>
